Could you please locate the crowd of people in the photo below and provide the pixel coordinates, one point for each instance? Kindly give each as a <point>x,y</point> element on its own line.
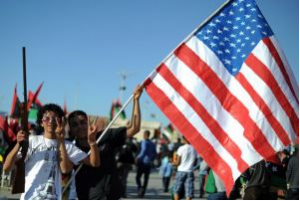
<point>104,167</point>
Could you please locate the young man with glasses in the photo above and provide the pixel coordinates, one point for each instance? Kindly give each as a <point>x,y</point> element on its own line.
<point>49,155</point>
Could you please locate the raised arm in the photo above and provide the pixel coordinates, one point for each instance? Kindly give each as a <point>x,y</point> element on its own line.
<point>94,158</point>
<point>11,157</point>
<point>135,124</point>
<point>65,163</point>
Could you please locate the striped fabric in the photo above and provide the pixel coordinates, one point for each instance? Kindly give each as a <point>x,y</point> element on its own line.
<point>230,91</point>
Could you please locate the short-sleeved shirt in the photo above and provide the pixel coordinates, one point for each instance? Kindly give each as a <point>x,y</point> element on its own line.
<point>97,182</point>
<point>188,156</point>
<point>42,172</point>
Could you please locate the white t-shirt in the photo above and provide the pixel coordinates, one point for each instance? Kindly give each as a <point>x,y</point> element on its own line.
<point>42,172</point>
<point>188,156</point>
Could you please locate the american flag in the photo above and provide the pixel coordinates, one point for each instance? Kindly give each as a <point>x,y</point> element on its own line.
<point>229,90</point>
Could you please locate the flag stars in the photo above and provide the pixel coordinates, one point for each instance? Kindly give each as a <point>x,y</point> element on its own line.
<point>237,18</point>
<point>212,24</point>
<point>222,15</point>
<point>221,43</point>
<point>241,33</point>
<point>227,51</point>
<point>253,32</point>
<point>234,4</point>
<point>231,13</point>
<point>248,27</point>
<point>219,52</point>
<point>243,55</point>
<point>232,45</point>
<point>248,5</point>
<point>241,9</point>
<point>274,169</point>
<point>225,29</point>
<point>205,37</point>
<point>215,37</point>
<point>235,27</point>
<point>219,31</point>
<point>253,43</point>
<point>253,9</point>
<point>226,61</point>
<point>238,40</point>
<point>212,44</point>
<point>229,22</point>
<point>208,31</point>
<point>247,16</point>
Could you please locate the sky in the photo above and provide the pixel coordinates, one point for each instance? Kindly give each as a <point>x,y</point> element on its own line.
<point>79,48</point>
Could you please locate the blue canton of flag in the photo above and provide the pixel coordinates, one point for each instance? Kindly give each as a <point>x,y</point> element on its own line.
<point>234,32</point>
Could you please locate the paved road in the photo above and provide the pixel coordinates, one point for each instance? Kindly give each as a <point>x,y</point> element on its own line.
<point>154,191</point>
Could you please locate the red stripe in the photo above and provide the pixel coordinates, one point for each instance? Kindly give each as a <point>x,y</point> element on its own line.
<point>207,151</point>
<point>283,136</point>
<point>264,73</point>
<point>210,122</point>
<point>280,64</point>
<point>228,100</point>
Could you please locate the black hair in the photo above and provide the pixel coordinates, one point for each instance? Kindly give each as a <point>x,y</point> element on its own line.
<point>147,132</point>
<point>49,107</point>
<point>76,113</point>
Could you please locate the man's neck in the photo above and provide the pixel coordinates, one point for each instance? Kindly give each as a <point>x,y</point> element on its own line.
<point>48,135</point>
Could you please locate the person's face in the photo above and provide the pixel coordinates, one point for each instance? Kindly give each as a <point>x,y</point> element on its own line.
<point>79,126</point>
<point>49,121</point>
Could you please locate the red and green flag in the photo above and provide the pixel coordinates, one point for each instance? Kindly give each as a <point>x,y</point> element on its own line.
<point>115,108</point>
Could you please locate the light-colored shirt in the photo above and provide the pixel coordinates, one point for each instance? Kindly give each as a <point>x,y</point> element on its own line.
<point>188,156</point>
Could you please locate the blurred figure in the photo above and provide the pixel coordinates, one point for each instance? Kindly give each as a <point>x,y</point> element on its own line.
<point>258,182</point>
<point>185,160</point>
<point>166,170</point>
<point>292,176</point>
<point>126,158</point>
<point>144,162</point>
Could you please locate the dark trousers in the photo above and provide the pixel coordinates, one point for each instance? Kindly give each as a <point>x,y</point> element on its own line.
<point>166,183</point>
<point>292,194</point>
<point>256,193</point>
<point>124,170</point>
<point>142,169</point>
<point>201,184</point>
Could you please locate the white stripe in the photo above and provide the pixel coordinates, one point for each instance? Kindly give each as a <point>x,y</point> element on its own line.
<point>203,94</point>
<point>261,51</point>
<point>196,122</point>
<point>266,94</point>
<point>233,86</point>
<point>287,66</point>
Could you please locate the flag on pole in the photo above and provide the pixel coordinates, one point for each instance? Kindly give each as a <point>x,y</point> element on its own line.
<point>33,99</point>
<point>229,90</point>
<point>16,105</point>
<point>168,132</point>
<point>115,108</point>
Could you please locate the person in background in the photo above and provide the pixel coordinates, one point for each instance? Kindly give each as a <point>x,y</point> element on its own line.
<point>258,182</point>
<point>186,158</point>
<point>144,162</point>
<point>103,182</point>
<point>202,166</point>
<point>292,176</point>
<point>49,155</point>
<point>166,170</point>
<point>126,158</point>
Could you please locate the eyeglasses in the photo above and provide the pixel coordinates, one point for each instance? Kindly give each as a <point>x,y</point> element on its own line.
<point>48,119</point>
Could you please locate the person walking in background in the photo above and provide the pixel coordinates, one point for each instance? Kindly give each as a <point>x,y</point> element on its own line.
<point>202,166</point>
<point>292,176</point>
<point>49,155</point>
<point>126,158</point>
<point>258,182</point>
<point>166,170</point>
<point>103,182</point>
<point>185,160</point>
<point>145,160</point>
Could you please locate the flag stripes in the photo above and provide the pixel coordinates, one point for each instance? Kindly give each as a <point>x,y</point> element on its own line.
<point>234,116</point>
